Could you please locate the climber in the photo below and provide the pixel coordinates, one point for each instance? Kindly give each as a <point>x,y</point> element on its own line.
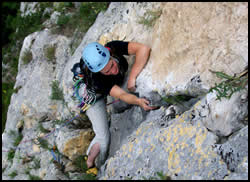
<point>106,67</point>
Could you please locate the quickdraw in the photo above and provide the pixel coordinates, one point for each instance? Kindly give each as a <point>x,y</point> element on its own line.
<point>88,96</point>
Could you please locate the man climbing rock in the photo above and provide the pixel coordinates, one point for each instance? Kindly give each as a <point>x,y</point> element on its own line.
<point>104,69</point>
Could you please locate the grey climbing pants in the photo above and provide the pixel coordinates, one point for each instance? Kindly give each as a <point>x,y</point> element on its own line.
<point>97,114</point>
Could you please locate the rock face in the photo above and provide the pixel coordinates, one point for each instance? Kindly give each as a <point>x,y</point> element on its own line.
<point>182,148</point>
<point>197,137</point>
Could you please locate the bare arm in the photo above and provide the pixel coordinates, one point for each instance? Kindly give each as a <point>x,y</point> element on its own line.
<point>142,53</point>
<point>119,93</point>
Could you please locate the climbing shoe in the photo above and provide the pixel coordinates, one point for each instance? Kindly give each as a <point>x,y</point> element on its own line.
<point>92,171</point>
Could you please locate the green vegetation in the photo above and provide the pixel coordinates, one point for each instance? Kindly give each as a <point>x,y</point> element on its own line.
<point>17,137</point>
<point>9,11</point>
<point>229,85</point>
<point>85,176</point>
<point>33,177</point>
<point>160,176</point>
<point>81,165</point>
<point>16,28</point>
<point>50,53</point>
<point>27,56</point>
<point>57,93</point>
<point>27,171</point>
<point>37,164</point>
<point>7,90</point>
<point>78,21</point>
<point>13,174</point>
<point>81,19</point>
<point>149,18</point>
<point>17,89</point>
<point>43,143</point>
<point>11,155</point>
<point>177,100</point>
<point>58,122</point>
<point>42,129</point>
<point>63,6</point>
<point>63,20</point>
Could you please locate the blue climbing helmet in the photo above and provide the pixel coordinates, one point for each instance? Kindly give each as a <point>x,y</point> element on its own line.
<point>95,56</point>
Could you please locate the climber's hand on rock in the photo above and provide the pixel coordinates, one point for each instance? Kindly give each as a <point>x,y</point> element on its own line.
<point>144,103</point>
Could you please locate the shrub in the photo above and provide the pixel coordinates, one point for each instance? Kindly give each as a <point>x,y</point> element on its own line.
<point>42,129</point>
<point>13,174</point>
<point>50,53</point>
<point>229,85</point>
<point>57,93</point>
<point>63,20</point>
<point>43,143</point>
<point>37,164</point>
<point>27,56</point>
<point>81,19</point>
<point>17,137</point>
<point>11,154</point>
<point>63,6</point>
<point>33,177</point>
<point>149,18</point>
<point>7,90</point>
<point>88,12</point>
<point>81,164</point>
<point>9,11</point>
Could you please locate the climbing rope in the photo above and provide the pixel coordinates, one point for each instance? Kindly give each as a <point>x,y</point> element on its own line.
<point>113,102</point>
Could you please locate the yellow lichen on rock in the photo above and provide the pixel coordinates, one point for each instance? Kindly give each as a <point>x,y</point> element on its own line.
<point>138,131</point>
<point>174,161</point>
<point>78,145</point>
<point>130,146</point>
<point>152,147</point>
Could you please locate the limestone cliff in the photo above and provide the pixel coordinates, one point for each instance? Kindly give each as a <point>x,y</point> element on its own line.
<point>198,137</point>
